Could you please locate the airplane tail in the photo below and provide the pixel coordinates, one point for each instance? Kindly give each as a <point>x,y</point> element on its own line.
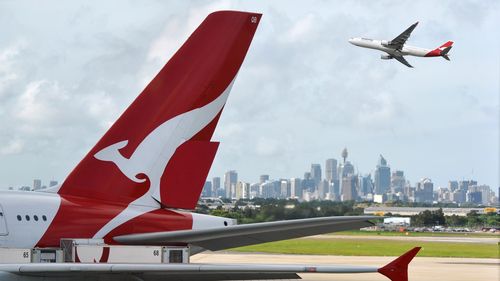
<point>441,51</point>
<point>162,143</point>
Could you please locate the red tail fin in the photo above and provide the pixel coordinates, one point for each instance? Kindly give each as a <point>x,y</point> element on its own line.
<point>182,104</point>
<point>397,270</point>
<point>445,45</point>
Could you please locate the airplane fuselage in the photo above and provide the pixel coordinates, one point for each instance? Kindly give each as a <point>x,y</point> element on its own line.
<point>38,219</point>
<point>380,45</point>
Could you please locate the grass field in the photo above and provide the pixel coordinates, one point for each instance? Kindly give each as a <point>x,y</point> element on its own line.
<point>419,234</point>
<point>360,247</point>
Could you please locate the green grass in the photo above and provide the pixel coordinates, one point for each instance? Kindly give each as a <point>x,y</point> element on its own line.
<point>419,234</point>
<point>360,247</point>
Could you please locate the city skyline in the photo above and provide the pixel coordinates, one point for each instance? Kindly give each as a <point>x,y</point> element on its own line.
<point>302,95</point>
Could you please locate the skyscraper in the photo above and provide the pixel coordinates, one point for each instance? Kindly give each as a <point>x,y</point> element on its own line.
<point>316,173</point>
<point>216,186</point>
<point>331,170</point>
<point>207,189</point>
<point>398,181</point>
<point>382,176</point>
<point>230,179</point>
<point>295,188</point>
<point>349,188</point>
<point>242,190</point>
<point>37,184</point>
<point>424,192</point>
<point>263,178</point>
<point>453,185</point>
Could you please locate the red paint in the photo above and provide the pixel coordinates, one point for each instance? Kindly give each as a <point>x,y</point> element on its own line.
<point>199,72</point>
<point>397,270</point>
<point>196,75</point>
<point>437,52</point>
<point>155,221</point>
<point>181,184</point>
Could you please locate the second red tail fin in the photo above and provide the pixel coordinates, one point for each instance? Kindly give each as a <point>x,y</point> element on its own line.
<point>397,270</point>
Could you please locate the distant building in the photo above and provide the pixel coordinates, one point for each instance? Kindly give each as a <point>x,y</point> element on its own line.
<point>37,184</point>
<point>207,189</point>
<point>230,179</point>
<point>323,189</point>
<point>295,188</point>
<point>425,191</point>
<point>331,170</point>
<point>365,185</point>
<point>270,189</point>
<point>242,190</point>
<point>349,188</point>
<point>398,181</point>
<point>254,190</point>
<point>263,178</point>
<point>285,189</point>
<point>382,176</point>
<point>53,183</point>
<point>216,187</point>
<point>452,185</point>
<point>316,173</point>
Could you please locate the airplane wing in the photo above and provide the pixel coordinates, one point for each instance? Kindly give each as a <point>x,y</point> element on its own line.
<point>220,238</point>
<point>402,60</point>
<point>400,40</point>
<point>397,270</point>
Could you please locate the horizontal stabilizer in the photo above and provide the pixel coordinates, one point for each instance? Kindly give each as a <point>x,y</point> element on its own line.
<point>397,270</point>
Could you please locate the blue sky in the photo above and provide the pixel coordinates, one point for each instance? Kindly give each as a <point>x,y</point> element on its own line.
<point>69,68</point>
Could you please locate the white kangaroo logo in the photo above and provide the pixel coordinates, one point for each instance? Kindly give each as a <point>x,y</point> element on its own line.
<point>152,155</point>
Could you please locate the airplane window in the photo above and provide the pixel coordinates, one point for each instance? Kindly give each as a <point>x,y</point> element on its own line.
<point>19,218</point>
<point>44,218</point>
<point>225,223</point>
<point>1,214</point>
<point>35,217</point>
<point>27,218</point>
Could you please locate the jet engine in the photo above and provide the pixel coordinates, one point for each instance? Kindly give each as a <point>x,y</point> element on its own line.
<point>385,57</point>
<point>385,43</point>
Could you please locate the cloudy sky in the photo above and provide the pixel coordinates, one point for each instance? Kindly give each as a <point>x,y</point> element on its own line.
<point>69,68</point>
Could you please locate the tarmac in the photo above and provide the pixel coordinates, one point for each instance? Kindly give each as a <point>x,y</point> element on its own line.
<point>420,269</point>
<point>449,239</point>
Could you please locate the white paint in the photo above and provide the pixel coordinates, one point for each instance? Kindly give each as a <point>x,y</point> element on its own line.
<point>377,45</point>
<point>201,221</point>
<point>26,234</point>
<point>152,155</point>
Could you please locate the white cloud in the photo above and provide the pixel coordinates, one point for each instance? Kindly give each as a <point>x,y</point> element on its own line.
<point>14,146</point>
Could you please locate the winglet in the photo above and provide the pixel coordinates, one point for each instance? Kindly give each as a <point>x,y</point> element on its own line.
<point>397,270</point>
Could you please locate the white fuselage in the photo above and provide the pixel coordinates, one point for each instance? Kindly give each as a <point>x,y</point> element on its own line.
<point>380,45</point>
<point>27,217</point>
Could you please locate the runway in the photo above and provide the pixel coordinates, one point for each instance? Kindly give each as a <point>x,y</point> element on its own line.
<point>449,239</point>
<point>421,269</point>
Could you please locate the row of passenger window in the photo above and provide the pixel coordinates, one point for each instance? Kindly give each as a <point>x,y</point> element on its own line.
<point>28,218</point>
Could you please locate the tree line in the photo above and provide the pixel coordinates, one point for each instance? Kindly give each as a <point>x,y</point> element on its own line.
<point>271,209</point>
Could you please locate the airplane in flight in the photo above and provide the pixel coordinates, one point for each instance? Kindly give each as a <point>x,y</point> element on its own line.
<point>138,183</point>
<point>397,48</point>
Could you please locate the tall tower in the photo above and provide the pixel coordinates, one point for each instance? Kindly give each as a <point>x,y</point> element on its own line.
<point>331,169</point>
<point>215,186</point>
<point>382,176</point>
<point>344,154</point>
<point>230,179</point>
<point>316,174</point>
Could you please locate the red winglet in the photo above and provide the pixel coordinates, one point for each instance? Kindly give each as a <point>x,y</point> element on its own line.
<point>397,270</point>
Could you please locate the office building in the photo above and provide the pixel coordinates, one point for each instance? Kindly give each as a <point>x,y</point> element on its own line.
<point>382,176</point>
